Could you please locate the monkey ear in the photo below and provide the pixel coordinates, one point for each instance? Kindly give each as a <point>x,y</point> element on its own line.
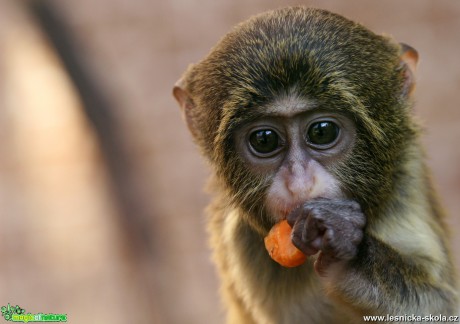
<point>186,104</point>
<point>409,60</point>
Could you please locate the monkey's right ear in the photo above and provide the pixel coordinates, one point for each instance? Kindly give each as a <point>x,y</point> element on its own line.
<point>409,60</point>
<point>186,104</point>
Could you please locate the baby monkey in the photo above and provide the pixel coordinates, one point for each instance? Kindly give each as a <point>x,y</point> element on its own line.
<point>305,115</point>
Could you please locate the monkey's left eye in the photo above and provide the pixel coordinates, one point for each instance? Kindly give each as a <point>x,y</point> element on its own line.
<point>322,133</point>
<point>264,141</point>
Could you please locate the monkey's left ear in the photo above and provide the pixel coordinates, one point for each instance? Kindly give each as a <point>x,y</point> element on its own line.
<point>409,60</point>
<point>186,104</point>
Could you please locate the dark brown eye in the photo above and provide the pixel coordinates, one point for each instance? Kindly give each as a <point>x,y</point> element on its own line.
<point>264,141</point>
<point>322,133</point>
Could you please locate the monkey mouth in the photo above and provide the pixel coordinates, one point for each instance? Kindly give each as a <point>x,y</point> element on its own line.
<point>285,210</point>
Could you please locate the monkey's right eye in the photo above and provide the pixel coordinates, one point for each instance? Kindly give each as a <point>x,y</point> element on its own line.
<point>264,141</point>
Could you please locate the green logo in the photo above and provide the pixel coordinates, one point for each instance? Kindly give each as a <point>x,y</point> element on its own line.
<point>18,314</point>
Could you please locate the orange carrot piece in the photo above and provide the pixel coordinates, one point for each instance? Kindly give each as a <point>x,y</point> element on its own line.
<point>280,248</point>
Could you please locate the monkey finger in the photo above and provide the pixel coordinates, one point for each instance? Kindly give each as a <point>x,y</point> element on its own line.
<point>306,249</point>
<point>294,215</point>
<point>313,229</point>
<point>328,246</point>
<point>297,238</point>
<point>297,229</point>
<point>321,264</point>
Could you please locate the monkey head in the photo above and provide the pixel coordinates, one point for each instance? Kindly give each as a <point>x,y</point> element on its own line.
<point>297,104</point>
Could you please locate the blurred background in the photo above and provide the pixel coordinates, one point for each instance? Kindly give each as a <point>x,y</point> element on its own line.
<point>101,199</point>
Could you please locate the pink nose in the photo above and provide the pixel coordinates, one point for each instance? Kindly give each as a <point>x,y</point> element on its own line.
<point>300,181</point>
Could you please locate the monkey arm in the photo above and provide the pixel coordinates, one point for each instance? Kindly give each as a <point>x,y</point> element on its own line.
<point>381,280</point>
<point>398,264</point>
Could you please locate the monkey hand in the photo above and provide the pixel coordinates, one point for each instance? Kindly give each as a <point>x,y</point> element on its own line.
<point>332,226</point>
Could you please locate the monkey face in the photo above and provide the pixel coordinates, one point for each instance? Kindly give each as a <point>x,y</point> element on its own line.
<point>293,146</point>
<point>287,114</point>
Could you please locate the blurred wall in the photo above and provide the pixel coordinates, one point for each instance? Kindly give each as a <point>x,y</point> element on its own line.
<point>80,238</point>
